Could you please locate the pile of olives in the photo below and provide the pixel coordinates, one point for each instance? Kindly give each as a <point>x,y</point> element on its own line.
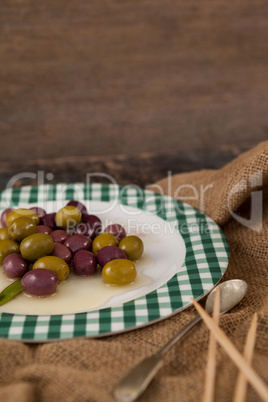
<point>40,248</point>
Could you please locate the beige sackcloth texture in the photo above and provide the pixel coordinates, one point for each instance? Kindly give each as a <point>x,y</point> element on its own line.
<point>88,369</point>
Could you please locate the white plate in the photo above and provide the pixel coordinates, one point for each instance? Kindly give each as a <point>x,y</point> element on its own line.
<point>164,254</point>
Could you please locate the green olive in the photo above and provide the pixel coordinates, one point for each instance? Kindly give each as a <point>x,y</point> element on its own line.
<point>67,217</point>
<point>8,247</point>
<point>21,228</point>
<point>54,264</point>
<point>36,246</point>
<point>17,213</point>
<point>132,246</point>
<point>4,234</point>
<point>102,240</point>
<point>119,272</point>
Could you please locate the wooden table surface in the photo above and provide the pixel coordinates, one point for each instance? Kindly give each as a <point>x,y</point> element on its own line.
<point>133,89</point>
<point>142,169</point>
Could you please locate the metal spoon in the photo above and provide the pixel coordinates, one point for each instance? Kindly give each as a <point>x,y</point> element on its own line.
<point>138,379</point>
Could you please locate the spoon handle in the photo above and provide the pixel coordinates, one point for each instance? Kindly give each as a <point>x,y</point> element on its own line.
<point>138,379</point>
<point>179,335</point>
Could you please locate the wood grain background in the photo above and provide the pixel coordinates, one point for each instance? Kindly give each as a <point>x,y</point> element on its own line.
<point>99,77</point>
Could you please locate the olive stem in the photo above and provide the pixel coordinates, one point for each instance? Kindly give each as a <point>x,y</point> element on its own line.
<point>10,291</point>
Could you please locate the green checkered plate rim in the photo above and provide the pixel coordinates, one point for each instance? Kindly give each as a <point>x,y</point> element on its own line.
<point>207,256</point>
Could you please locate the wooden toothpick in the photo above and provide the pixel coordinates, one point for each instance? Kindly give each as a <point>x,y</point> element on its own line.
<point>241,384</point>
<point>252,377</point>
<point>209,390</point>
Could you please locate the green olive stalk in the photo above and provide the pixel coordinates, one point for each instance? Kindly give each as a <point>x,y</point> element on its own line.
<point>11,291</point>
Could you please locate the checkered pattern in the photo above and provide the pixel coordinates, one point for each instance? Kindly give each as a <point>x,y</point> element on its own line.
<point>206,260</point>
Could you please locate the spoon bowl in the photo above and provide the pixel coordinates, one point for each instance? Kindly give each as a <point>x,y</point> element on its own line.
<point>231,293</point>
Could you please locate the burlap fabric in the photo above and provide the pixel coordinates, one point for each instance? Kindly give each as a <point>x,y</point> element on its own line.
<point>88,369</point>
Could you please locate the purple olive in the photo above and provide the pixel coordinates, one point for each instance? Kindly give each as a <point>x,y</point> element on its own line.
<point>117,230</point>
<point>40,212</point>
<point>62,252</point>
<point>90,226</point>
<point>84,263</point>
<point>78,205</point>
<point>40,282</point>
<point>93,220</point>
<point>59,236</point>
<point>109,253</point>
<point>4,215</point>
<point>49,220</point>
<point>43,229</point>
<point>84,229</point>
<point>77,242</point>
<point>15,266</point>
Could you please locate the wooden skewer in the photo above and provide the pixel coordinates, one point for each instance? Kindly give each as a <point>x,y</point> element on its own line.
<point>209,391</point>
<point>251,375</point>
<point>241,384</point>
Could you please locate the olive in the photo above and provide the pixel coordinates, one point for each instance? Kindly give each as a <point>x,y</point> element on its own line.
<point>109,253</point>
<point>21,228</point>
<point>54,264</point>
<point>76,243</point>
<point>93,225</point>
<point>8,247</point>
<point>39,211</point>
<point>43,229</point>
<point>4,234</point>
<point>117,230</point>
<point>102,240</point>
<point>62,252</point>
<point>17,213</point>
<point>84,263</point>
<point>87,229</point>
<point>49,220</point>
<point>15,266</point>
<point>68,217</point>
<point>36,246</point>
<point>119,272</point>
<point>40,282</point>
<point>82,208</point>
<point>4,216</point>
<point>83,229</point>
<point>59,236</point>
<point>132,246</point>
